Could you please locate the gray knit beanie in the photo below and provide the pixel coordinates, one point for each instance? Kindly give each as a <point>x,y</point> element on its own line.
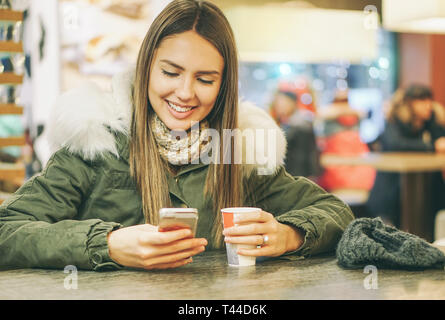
<point>369,241</point>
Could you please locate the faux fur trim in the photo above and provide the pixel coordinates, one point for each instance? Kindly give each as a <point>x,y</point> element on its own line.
<point>81,116</point>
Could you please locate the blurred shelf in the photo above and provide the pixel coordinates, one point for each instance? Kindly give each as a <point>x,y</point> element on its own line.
<point>12,171</point>
<point>10,78</point>
<point>12,141</point>
<point>10,46</point>
<point>10,108</point>
<point>11,15</point>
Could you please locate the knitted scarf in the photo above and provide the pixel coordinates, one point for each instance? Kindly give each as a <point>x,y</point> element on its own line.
<point>180,147</point>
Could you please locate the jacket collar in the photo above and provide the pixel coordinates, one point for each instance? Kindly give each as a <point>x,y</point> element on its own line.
<point>88,120</point>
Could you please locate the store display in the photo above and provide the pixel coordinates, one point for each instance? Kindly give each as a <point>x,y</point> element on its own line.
<point>12,62</point>
<point>9,94</point>
<point>11,31</point>
<point>100,38</point>
<point>5,4</point>
<point>129,10</point>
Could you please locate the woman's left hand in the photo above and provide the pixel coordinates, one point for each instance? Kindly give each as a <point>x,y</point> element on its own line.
<point>252,228</point>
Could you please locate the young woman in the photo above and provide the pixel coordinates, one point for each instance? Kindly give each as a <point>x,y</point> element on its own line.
<point>116,164</point>
<point>415,123</point>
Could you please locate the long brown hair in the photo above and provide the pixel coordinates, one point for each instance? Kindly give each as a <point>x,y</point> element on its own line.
<point>223,183</point>
<point>401,103</point>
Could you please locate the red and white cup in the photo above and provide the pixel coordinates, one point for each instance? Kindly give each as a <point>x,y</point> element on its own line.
<point>233,258</point>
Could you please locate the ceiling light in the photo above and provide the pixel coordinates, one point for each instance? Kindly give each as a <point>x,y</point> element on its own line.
<point>295,34</point>
<point>426,16</point>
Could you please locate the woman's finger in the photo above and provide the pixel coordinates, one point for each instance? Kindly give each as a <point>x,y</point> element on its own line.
<point>160,238</point>
<point>258,252</point>
<point>253,240</point>
<point>179,246</point>
<point>247,229</point>
<point>260,216</point>
<point>171,258</point>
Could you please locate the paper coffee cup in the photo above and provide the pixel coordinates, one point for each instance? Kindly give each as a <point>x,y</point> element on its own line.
<point>233,258</point>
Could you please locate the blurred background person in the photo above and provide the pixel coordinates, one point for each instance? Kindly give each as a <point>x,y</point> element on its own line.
<point>296,120</point>
<point>340,136</point>
<point>414,123</point>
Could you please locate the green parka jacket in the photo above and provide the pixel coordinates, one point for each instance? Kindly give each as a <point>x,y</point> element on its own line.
<point>62,215</point>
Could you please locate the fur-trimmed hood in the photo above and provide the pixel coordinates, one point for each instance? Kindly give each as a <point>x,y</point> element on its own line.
<point>82,118</point>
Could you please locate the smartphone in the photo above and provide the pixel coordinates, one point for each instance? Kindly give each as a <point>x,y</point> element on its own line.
<point>178,218</point>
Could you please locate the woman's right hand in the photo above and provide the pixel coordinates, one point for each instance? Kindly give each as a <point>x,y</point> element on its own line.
<point>143,246</point>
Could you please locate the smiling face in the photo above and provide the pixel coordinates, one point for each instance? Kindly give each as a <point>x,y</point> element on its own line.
<point>185,78</point>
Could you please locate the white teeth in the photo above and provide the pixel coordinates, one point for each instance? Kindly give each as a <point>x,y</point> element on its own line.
<point>178,108</point>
